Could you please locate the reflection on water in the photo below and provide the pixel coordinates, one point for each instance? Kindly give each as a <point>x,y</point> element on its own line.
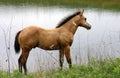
<point>102,41</point>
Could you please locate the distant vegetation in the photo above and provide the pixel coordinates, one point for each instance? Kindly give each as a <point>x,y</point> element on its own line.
<point>104,4</point>
<point>96,69</point>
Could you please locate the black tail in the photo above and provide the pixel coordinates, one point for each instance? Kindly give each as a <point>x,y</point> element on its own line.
<point>16,44</point>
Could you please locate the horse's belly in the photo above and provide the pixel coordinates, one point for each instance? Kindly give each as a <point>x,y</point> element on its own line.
<point>49,47</point>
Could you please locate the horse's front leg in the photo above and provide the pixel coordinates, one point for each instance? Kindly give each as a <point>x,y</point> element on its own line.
<point>61,57</point>
<point>68,57</point>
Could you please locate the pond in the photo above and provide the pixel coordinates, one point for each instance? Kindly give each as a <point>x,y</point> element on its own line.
<point>101,42</point>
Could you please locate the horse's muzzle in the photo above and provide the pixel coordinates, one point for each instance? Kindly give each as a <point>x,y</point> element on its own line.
<point>89,27</point>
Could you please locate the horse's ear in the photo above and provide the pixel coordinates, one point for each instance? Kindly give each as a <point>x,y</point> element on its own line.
<point>82,11</point>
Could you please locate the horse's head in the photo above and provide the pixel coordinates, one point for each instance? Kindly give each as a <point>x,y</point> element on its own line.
<point>82,21</point>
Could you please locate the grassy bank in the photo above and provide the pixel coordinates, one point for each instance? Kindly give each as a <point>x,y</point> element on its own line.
<point>104,4</point>
<point>103,69</point>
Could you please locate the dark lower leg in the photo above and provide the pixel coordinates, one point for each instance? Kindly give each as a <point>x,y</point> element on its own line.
<point>61,58</point>
<point>70,63</point>
<point>68,57</point>
<point>61,62</point>
<point>20,65</point>
<point>25,68</point>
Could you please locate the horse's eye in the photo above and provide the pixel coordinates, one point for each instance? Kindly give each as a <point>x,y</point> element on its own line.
<point>85,19</point>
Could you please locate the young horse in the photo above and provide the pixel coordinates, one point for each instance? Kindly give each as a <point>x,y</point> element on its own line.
<point>60,38</point>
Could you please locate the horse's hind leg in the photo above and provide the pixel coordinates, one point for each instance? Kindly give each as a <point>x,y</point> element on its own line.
<point>23,59</point>
<point>19,64</point>
<point>68,57</point>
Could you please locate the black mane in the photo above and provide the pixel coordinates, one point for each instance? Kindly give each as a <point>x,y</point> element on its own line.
<point>66,19</point>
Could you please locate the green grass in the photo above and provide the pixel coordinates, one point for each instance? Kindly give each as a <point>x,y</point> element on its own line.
<point>103,4</point>
<point>102,69</point>
<point>15,74</point>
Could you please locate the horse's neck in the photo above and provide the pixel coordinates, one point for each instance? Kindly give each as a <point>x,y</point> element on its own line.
<point>71,26</point>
